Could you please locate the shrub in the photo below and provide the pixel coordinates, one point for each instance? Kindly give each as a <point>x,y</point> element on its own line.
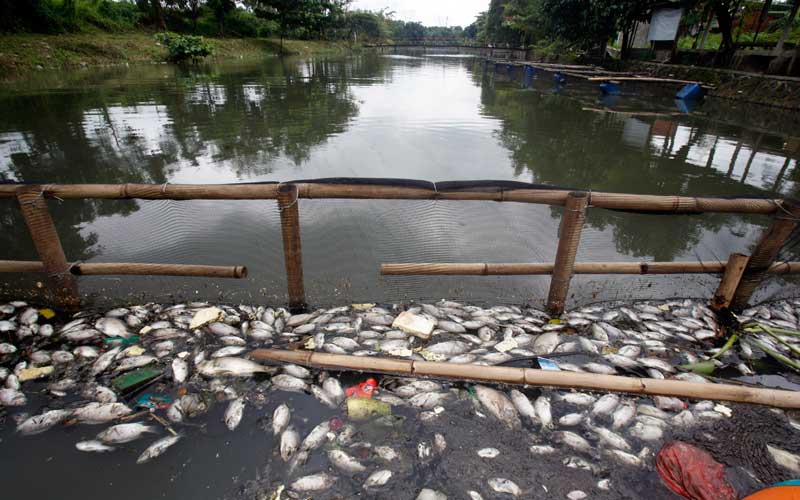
<point>185,47</point>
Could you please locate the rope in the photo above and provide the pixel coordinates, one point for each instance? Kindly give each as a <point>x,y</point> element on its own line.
<point>164,188</point>
<point>290,205</point>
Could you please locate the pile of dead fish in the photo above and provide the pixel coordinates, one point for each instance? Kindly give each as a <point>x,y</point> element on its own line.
<point>202,349</point>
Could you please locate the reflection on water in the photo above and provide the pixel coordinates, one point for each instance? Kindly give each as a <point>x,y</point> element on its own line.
<point>430,118</point>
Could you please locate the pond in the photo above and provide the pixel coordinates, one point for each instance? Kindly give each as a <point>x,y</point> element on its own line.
<point>399,116</point>
<point>396,116</point>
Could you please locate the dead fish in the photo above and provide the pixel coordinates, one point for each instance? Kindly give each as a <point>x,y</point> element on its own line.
<point>611,438</point>
<point>578,398</point>
<point>623,415</point>
<point>62,357</point>
<point>104,361</point>
<point>290,441</point>
<point>134,362</point>
<point>574,441</point>
<point>323,397</point>
<point>280,419</point>
<point>223,329</point>
<point>296,371</point>
<point>233,414</point>
<point>668,403</point>
<point>499,405</point>
<point>232,367</point>
<point>100,413</point>
<point>93,446</point>
<point>42,422</point>
<point>502,485</point>
<point>522,404</point>
<point>334,389</point>
<point>488,452</point>
<point>546,343</point>
<point>543,449</point>
<point>571,419</point>
<point>180,370</point>
<point>288,383</point>
<point>314,482</point>
<point>112,327</point>
<point>439,443</point>
<point>427,400</point>
<point>124,433</point>
<point>787,460</point>
<point>386,453</point>
<point>345,462</point>
<point>377,479</point>
<point>81,335</point>
<point>646,432</point>
<point>449,348</point>
<point>605,405</point>
<point>542,406</point>
<point>576,495</point>
<point>101,394</point>
<point>316,437</point>
<point>156,449</point>
<point>658,364</point>
<point>600,368</point>
<point>6,348</point>
<point>429,494</point>
<point>29,316</point>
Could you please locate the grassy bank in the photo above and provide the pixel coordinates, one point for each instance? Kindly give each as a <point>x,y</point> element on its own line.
<point>22,53</point>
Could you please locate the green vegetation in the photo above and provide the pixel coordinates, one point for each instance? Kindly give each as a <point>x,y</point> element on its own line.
<point>589,25</point>
<point>184,47</point>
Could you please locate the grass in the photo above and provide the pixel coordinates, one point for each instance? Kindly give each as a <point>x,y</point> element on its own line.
<point>714,40</point>
<point>21,53</point>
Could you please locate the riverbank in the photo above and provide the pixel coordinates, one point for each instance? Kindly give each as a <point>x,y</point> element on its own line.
<point>23,53</point>
<point>755,88</point>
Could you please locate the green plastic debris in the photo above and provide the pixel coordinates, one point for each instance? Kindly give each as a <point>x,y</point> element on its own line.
<point>121,341</point>
<point>365,408</point>
<point>134,379</point>
<point>701,368</point>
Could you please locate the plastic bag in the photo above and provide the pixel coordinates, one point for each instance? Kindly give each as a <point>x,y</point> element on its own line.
<point>693,473</point>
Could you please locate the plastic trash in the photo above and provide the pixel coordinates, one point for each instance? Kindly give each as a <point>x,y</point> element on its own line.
<point>205,316</point>
<point>363,390</point>
<point>609,88</point>
<point>548,364</point>
<point>47,313</point>
<point>787,490</point>
<point>690,91</point>
<point>153,401</point>
<point>363,408</point>
<point>692,473</point>
<point>121,341</point>
<point>34,373</point>
<point>136,378</point>
<point>559,78</point>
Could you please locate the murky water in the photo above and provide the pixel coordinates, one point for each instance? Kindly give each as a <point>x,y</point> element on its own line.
<point>432,118</point>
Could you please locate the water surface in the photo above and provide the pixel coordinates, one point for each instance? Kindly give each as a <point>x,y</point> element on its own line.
<point>431,118</point>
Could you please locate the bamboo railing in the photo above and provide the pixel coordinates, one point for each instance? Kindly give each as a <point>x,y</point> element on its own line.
<point>736,290</point>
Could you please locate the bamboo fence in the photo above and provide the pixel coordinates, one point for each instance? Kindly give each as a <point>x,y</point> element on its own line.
<point>737,289</point>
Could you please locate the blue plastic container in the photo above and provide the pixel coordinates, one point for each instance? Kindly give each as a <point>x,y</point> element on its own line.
<point>691,91</point>
<point>609,88</point>
<point>559,78</point>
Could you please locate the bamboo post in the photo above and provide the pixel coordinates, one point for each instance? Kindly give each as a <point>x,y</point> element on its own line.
<point>530,376</point>
<point>288,198</point>
<point>763,256</point>
<point>734,269</point>
<point>62,284</point>
<point>571,227</point>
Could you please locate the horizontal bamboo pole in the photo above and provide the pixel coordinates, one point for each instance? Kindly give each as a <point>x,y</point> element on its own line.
<point>129,268</point>
<point>543,268</point>
<point>618,201</point>
<point>529,376</point>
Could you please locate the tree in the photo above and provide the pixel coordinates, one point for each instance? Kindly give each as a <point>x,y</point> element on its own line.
<point>589,24</point>
<point>497,31</point>
<point>221,8</point>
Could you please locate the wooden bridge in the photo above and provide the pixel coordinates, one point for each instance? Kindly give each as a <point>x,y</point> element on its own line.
<point>450,46</point>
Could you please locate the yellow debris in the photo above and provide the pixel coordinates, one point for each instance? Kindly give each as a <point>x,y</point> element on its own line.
<point>34,373</point>
<point>362,307</point>
<point>47,313</point>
